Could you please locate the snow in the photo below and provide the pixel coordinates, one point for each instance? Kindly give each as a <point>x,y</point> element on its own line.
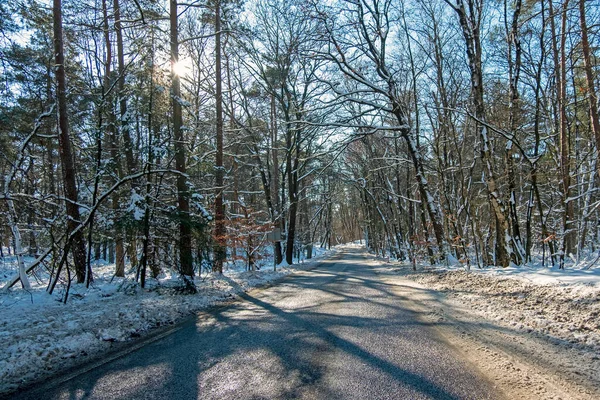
<point>182,102</point>
<point>560,305</point>
<point>451,260</point>
<point>196,201</point>
<point>40,335</point>
<point>533,330</point>
<point>136,206</point>
<point>548,276</point>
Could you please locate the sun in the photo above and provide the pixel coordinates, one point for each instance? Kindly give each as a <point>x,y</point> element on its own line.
<point>183,68</point>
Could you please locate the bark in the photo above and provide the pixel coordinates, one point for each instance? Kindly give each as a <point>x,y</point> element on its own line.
<point>98,144</point>
<point>432,209</point>
<point>124,119</point>
<point>143,265</point>
<point>426,197</point>
<point>514,68</point>
<point>186,266</point>
<point>559,53</point>
<point>534,196</point>
<point>536,133</point>
<point>235,203</point>
<point>65,149</point>
<point>470,25</point>
<point>292,178</point>
<point>589,78</point>
<point>276,214</point>
<point>49,142</point>
<point>220,244</point>
<point>111,252</point>
<point>125,133</point>
<point>114,145</point>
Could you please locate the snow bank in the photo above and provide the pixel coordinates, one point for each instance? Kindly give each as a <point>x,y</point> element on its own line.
<point>561,305</point>
<point>547,276</point>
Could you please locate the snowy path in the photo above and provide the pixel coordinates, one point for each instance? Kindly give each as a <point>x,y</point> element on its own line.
<point>343,330</point>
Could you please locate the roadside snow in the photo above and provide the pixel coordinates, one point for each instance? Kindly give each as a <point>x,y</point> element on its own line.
<point>535,334</point>
<point>575,275</point>
<point>541,302</point>
<point>39,335</point>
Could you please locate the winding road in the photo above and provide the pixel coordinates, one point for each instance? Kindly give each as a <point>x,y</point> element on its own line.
<point>338,331</point>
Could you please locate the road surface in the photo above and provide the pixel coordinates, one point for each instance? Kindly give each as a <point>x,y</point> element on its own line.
<point>339,331</point>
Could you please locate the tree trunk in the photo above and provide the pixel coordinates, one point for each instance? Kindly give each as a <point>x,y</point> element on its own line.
<point>220,243</point>
<point>514,68</point>
<point>114,145</point>
<point>145,257</point>
<point>589,78</point>
<point>186,266</point>
<point>277,217</point>
<point>124,119</point>
<point>293,197</point>
<point>49,142</point>
<point>536,133</point>
<point>125,133</point>
<point>65,151</point>
<point>470,24</point>
<point>564,141</point>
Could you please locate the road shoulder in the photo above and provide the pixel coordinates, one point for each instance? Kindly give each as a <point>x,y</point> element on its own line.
<point>520,365</point>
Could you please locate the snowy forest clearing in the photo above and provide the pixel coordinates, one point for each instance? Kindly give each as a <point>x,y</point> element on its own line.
<point>40,336</point>
<point>535,332</point>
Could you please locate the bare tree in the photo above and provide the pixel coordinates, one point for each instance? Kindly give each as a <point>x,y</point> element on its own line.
<point>357,46</point>
<point>470,15</point>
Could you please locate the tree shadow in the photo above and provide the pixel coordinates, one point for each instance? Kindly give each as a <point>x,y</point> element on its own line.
<point>288,342</point>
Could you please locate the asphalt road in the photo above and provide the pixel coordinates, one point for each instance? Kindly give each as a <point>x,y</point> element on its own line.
<point>336,332</point>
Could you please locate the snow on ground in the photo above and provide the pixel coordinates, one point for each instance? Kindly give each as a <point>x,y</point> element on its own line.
<point>563,305</point>
<point>533,332</point>
<point>40,335</point>
<point>567,312</point>
<point>571,275</point>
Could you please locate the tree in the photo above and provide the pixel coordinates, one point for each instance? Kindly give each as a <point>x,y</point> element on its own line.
<point>356,43</point>
<point>75,241</point>
<point>220,249</point>
<point>470,14</point>
<point>186,266</point>
<point>589,77</point>
<point>560,71</point>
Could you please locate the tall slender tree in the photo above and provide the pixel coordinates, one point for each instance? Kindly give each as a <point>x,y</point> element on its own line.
<point>186,266</point>
<point>220,245</point>
<point>66,153</point>
<point>470,15</point>
<point>589,77</point>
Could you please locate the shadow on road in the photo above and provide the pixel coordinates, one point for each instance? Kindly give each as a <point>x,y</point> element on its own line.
<point>334,332</point>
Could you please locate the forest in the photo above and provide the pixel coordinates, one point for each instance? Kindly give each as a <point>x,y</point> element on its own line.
<point>179,135</point>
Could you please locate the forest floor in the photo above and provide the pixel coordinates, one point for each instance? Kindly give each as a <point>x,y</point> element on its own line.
<point>534,331</point>
<point>40,336</point>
